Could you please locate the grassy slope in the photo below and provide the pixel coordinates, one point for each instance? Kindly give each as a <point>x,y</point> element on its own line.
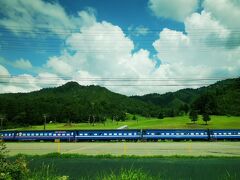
<point>183,122</point>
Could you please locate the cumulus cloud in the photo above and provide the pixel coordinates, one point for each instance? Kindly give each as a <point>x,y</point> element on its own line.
<point>22,64</point>
<point>103,50</point>
<point>196,53</point>
<point>29,17</point>
<point>174,9</point>
<point>227,13</point>
<point>59,66</point>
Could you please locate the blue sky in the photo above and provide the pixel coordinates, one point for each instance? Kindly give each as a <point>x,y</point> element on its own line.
<point>142,39</point>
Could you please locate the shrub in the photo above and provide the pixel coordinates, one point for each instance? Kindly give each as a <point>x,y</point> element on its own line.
<point>12,170</point>
<point>127,174</point>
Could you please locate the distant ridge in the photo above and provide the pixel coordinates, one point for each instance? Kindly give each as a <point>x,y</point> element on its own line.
<point>77,103</point>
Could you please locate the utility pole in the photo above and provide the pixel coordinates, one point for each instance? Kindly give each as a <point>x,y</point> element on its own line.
<point>2,117</point>
<point>1,122</point>
<point>45,117</point>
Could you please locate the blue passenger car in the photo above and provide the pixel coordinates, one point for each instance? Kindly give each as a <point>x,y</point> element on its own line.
<point>7,135</point>
<point>44,135</point>
<point>175,134</point>
<point>92,135</point>
<point>232,134</point>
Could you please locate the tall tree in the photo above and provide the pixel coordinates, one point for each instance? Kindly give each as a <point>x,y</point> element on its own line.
<point>206,117</point>
<point>193,115</point>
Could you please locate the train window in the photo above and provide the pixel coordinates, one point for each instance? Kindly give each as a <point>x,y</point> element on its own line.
<point>130,134</point>
<point>120,134</point>
<point>239,133</point>
<point>197,133</point>
<point>220,133</point>
<point>229,133</point>
<point>105,134</point>
<point>37,134</point>
<point>68,134</point>
<point>115,134</point>
<point>225,133</point>
<point>167,133</point>
<point>45,134</point>
<point>72,133</point>
<point>28,134</point>
<point>152,133</point>
<point>172,133</point>
<point>54,134</point>
<point>32,134</point>
<point>125,134</point>
<point>85,134</point>
<point>63,134</point>
<point>95,134</point>
<point>50,134</point>
<point>215,133</point>
<point>41,134</point>
<point>135,134</point>
<point>148,133</point>
<point>58,134</point>
<point>110,134</point>
<point>81,134</point>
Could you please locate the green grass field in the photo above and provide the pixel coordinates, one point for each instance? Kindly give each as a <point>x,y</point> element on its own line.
<point>182,122</point>
<point>170,168</point>
<point>189,148</point>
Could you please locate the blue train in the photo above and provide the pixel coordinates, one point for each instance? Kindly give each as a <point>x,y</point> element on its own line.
<point>120,135</point>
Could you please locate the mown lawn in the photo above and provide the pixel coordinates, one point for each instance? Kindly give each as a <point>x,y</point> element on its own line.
<point>182,122</point>
<point>157,168</point>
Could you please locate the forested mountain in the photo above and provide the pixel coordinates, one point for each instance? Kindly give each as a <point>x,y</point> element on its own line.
<point>76,103</point>
<point>71,102</point>
<point>222,98</point>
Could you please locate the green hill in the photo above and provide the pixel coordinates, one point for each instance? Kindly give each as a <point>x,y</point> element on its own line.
<point>75,103</point>
<point>70,102</point>
<point>223,98</point>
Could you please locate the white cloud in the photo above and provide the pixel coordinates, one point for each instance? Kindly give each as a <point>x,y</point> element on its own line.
<point>102,50</point>
<point>22,64</point>
<point>27,82</point>
<point>59,66</point>
<point>27,17</point>
<point>197,54</point>
<point>4,76</point>
<point>138,31</point>
<point>227,13</point>
<point>174,9</point>
<point>4,71</point>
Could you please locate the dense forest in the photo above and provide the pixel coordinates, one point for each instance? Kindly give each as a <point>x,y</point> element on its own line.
<point>75,103</point>
<point>221,98</point>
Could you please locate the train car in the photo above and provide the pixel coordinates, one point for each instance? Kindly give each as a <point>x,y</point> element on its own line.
<point>7,135</point>
<point>228,134</point>
<point>44,135</point>
<point>107,135</point>
<point>174,134</point>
